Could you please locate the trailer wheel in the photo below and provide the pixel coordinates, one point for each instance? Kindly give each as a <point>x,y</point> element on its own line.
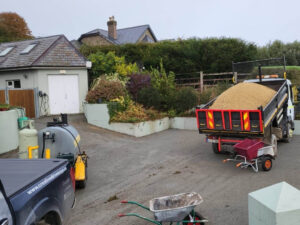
<point>197,217</point>
<point>215,147</point>
<point>289,134</point>
<point>266,163</point>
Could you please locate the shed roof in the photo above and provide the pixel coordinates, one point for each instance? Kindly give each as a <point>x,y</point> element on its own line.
<point>52,51</point>
<point>124,35</point>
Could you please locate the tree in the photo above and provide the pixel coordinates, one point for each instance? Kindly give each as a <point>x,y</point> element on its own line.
<point>13,27</point>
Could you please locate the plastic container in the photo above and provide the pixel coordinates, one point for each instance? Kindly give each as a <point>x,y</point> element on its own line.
<point>21,122</point>
<point>28,137</point>
<point>248,148</point>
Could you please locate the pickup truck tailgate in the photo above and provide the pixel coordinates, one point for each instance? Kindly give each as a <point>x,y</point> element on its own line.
<point>17,174</point>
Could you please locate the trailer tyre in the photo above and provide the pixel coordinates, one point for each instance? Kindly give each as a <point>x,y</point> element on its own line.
<point>266,163</point>
<point>289,134</point>
<point>215,147</point>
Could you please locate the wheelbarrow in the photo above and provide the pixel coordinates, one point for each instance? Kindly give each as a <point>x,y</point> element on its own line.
<point>175,209</point>
<point>251,153</point>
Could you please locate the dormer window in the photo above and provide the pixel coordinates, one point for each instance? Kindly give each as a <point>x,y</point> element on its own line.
<point>6,51</point>
<point>28,48</point>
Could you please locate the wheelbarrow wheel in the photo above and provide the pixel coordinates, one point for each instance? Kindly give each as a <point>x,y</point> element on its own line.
<point>197,217</point>
<point>266,163</point>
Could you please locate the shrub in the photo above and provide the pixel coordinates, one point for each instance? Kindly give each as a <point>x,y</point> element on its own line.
<point>149,97</point>
<point>136,113</point>
<point>206,96</point>
<point>185,99</point>
<point>109,63</point>
<point>136,83</point>
<point>181,56</point>
<point>105,91</point>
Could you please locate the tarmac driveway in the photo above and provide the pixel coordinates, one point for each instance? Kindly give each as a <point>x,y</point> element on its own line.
<point>166,163</point>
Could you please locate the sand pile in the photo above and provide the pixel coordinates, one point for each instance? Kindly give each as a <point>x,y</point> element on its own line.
<point>244,96</point>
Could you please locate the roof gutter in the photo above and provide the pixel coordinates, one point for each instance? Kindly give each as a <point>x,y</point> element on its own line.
<point>42,68</point>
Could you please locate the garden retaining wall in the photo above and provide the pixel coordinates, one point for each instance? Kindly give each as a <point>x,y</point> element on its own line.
<point>97,114</point>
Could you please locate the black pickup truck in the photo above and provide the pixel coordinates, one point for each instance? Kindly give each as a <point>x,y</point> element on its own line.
<point>35,191</point>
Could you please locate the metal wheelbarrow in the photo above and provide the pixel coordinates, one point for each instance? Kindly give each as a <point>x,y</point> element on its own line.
<point>177,209</point>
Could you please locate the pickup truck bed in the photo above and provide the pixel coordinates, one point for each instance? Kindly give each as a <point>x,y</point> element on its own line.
<point>16,175</point>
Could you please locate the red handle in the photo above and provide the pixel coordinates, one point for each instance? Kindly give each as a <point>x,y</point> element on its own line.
<point>121,215</point>
<point>124,201</point>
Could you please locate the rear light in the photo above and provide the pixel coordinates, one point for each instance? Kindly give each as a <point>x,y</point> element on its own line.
<point>210,116</point>
<point>72,175</point>
<point>246,121</point>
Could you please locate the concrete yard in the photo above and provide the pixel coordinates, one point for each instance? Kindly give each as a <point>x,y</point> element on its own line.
<point>166,163</point>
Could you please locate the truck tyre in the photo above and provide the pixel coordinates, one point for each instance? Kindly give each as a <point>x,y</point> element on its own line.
<point>215,148</point>
<point>289,135</point>
<point>266,163</point>
<point>274,143</point>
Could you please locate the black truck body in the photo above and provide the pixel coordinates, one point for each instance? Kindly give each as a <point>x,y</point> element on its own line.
<point>35,190</point>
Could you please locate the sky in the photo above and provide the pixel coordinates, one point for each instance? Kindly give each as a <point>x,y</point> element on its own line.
<point>257,21</point>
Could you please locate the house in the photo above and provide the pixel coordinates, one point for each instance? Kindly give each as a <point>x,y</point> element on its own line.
<point>46,76</point>
<point>114,36</point>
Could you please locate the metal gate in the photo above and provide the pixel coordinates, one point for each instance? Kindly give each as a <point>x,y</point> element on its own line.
<point>25,98</point>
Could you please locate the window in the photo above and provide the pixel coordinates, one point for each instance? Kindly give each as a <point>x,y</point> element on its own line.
<point>28,48</point>
<point>6,51</point>
<point>13,83</point>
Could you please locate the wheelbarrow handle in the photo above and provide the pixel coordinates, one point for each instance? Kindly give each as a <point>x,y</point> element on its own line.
<point>135,203</point>
<point>141,217</point>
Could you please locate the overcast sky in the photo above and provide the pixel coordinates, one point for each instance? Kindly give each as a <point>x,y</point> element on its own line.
<point>258,21</point>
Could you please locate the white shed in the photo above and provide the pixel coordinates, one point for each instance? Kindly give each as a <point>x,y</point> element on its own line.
<point>45,75</point>
<point>278,204</point>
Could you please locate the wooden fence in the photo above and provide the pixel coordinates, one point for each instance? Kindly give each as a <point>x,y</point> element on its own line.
<point>2,97</point>
<point>20,97</point>
<point>204,80</point>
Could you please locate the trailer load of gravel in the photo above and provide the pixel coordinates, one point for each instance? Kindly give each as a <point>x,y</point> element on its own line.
<point>248,96</point>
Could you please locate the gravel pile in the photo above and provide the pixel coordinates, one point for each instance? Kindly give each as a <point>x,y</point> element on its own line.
<point>244,96</point>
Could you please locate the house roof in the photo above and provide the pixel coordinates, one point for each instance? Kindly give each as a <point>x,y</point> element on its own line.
<point>124,35</point>
<point>52,51</point>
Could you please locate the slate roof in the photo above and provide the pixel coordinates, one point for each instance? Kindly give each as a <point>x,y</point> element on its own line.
<point>124,35</point>
<point>53,51</point>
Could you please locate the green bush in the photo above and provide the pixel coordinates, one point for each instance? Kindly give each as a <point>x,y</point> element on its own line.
<point>149,97</point>
<point>206,96</point>
<point>181,56</point>
<point>105,90</point>
<point>109,63</point>
<point>185,99</point>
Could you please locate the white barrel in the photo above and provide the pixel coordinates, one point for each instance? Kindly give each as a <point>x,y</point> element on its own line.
<point>28,137</point>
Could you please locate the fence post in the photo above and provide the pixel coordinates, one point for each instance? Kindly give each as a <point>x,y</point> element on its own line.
<point>201,82</point>
<point>235,77</point>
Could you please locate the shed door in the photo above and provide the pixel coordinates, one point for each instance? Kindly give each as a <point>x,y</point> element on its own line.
<point>63,94</point>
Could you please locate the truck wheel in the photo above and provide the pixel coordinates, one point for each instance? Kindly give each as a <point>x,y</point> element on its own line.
<point>215,148</point>
<point>266,163</point>
<point>274,143</point>
<point>289,134</point>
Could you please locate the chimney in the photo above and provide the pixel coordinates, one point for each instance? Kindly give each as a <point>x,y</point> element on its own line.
<point>112,28</point>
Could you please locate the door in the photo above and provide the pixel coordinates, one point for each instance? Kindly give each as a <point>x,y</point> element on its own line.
<point>6,214</point>
<point>63,94</point>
